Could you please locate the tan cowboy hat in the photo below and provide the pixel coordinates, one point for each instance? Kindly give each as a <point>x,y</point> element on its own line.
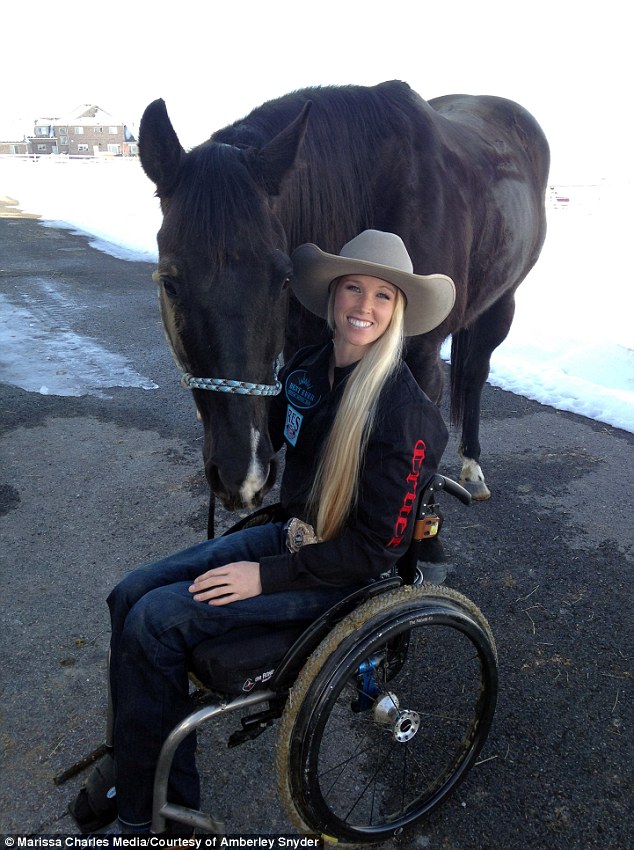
<point>379,254</point>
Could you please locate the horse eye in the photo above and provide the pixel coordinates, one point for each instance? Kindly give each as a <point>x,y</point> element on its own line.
<point>169,287</point>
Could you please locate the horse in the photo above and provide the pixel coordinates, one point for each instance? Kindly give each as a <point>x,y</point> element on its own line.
<point>461,178</point>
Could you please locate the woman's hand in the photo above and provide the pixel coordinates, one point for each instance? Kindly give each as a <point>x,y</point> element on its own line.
<point>230,583</point>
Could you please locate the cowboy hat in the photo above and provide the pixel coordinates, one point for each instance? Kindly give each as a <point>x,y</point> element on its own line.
<point>379,254</point>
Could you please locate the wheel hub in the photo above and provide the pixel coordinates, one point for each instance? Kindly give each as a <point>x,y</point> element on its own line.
<point>406,726</point>
<point>403,723</point>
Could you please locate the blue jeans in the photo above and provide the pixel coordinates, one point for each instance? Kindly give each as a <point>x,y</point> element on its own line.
<point>155,625</point>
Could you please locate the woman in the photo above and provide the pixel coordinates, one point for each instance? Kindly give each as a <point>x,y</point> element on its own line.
<point>358,432</point>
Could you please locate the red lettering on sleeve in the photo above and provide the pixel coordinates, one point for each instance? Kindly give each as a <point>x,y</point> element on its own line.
<point>409,499</point>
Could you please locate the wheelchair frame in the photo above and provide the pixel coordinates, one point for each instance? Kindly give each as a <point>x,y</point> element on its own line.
<point>321,671</point>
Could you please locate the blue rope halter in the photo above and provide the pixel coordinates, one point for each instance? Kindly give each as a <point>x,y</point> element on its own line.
<point>226,385</point>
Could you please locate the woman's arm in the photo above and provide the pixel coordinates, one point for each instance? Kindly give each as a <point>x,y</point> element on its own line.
<point>403,453</point>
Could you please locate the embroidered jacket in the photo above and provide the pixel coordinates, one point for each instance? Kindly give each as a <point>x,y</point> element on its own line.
<point>404,450</point>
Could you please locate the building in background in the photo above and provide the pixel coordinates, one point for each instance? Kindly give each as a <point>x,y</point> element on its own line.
<point>87,131</point>
<point>15,147</point>
<point>13,137</point>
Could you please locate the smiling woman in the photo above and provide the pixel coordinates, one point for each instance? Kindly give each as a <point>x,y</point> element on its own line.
<point>355,424</point>
<point>362,309</point>
<point>364,292</point>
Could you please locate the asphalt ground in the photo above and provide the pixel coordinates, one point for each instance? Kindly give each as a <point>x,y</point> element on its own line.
<point>91,486</point>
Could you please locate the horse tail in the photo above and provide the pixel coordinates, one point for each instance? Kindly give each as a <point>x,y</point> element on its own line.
<point>459,353</point>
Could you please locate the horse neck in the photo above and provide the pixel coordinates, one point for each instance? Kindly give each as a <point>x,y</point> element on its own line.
<point>328,197</point>
<point>322,202</point>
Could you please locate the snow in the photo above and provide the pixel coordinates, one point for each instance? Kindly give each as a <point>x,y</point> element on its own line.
<point>571,345</point>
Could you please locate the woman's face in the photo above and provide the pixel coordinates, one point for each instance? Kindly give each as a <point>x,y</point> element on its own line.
<point>363,309</point>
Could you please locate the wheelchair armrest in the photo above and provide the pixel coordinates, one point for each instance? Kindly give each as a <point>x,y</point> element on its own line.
<point>441,482</point>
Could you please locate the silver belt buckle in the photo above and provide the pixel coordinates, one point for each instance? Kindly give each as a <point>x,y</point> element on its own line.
<point>298,534</point>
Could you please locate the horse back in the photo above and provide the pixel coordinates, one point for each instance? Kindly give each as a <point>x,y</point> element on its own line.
<point>460,178</point>
<point>498,157</point>
<point>498,131</point>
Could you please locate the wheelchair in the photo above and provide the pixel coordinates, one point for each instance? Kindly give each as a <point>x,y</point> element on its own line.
<point>383,703</point>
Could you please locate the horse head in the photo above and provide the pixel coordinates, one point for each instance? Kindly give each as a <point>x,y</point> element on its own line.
<point>223,279</point>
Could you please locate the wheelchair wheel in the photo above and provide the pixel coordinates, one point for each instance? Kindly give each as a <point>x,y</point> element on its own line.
<point>388,715</point>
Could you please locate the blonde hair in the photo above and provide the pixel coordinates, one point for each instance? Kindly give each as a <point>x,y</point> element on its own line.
<point>334,491</point>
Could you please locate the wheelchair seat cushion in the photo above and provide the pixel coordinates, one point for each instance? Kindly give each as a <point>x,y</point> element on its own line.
<point>242,660</point>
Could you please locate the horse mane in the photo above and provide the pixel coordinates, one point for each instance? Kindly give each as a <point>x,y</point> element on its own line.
<point>214,195</point>
<point>329,196</point>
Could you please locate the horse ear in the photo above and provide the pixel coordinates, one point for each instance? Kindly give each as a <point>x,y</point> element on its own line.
<point>270,165</point>
<point>159,149</point>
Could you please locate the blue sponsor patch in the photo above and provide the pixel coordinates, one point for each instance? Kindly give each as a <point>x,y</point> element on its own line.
<point>300,390</point>
<point>293,424</point>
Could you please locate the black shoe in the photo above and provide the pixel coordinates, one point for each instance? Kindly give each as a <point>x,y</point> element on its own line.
<point>96,804</point>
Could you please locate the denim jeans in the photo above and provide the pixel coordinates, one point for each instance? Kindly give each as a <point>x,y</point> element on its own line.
<point>155,625</point>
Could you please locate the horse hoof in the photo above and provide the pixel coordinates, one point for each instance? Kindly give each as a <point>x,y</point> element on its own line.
<point>478,489</point>
<point>472,479</point>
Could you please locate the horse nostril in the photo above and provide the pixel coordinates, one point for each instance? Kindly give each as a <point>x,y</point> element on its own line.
<point>227,491</point>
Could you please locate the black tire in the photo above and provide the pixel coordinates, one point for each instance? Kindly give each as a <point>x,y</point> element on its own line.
<point>359,768</point>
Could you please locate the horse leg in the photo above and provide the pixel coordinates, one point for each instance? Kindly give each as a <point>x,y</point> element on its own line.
<point>422,355</point>
<point>470,362</point>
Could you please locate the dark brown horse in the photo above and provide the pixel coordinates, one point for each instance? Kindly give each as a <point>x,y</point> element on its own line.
<point>461,179</point>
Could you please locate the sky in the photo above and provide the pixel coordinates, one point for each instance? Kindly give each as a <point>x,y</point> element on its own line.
<point>567,62</point>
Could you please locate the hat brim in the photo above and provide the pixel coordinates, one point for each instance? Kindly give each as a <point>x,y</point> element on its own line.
<point>430,298</point>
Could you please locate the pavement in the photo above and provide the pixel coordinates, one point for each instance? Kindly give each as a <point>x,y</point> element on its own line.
<point>92,485</point>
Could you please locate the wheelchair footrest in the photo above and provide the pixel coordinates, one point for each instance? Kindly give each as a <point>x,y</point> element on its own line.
<point>192,817</point>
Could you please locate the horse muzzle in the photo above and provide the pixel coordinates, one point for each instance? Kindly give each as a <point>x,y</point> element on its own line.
<point>241,492</point>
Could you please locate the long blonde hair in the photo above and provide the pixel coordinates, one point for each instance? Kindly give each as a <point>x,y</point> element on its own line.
<point>334,491</point>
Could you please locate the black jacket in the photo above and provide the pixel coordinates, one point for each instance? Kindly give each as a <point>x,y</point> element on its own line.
<point>404,450</point>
